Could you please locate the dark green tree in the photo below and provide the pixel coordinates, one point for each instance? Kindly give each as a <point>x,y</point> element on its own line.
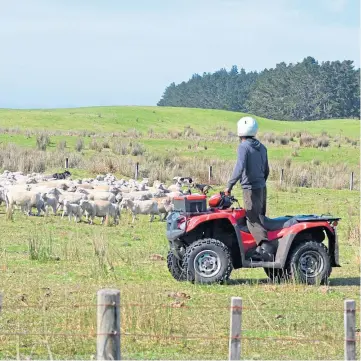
<point>303,91</point>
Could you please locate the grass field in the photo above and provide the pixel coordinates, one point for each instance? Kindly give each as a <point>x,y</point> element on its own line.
<point>161,120</point>
<point>49,267</point>
<point>68,272</point>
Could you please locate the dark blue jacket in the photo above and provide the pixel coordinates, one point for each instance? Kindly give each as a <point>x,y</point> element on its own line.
<point>252,165</point>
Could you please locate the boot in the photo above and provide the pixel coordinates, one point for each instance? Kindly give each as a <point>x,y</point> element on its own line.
<point>264,252</point>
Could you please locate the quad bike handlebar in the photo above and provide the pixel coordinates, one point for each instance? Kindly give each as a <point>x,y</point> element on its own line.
<point>230,197</point>
<point>227,200</point>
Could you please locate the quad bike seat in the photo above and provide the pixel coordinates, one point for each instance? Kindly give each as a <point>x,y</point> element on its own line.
<point>272,224</point>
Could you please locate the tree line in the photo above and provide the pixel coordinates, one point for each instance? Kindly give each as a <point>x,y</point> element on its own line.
<point>306,90</point>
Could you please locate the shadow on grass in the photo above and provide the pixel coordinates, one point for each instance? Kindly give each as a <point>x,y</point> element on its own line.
<point>247,281</point>
<point>346,281</point>
<point>333,282</point>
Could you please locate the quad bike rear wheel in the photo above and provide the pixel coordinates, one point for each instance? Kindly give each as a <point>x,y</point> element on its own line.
<point>207,261</point>
<point>309,262</point>
<point>175,267</point>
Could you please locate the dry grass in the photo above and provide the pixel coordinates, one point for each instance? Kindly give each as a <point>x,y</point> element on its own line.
<point>15,158</point>
<point>314,175</point>
<point>308,140</point>
<point>166,166</point>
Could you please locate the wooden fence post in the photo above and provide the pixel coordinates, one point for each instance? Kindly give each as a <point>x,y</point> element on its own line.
<point>350,329</point>
<point>108,324</point>
<point>235,329</point>
<point>66,163</point>
<point>351,181</point>
<point>281,176</point>
<point>210,175</point>
<point>136,171</point>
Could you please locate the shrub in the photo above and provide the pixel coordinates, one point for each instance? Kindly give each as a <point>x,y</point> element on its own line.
<point>42,141</point>
<point>269,138</point>
<point>119,148</point>
<point>306,140</point>
<point>106,144</point>
<point>315,162</point>
<point>137,149</point>
<point>188,131</point>
<point>133,133</point>
<point>94,145</point>
<point>283,140</point>
<point>288,162</point>
<point>79,146</point>
<point>61,145</point>
<point>324,142</point>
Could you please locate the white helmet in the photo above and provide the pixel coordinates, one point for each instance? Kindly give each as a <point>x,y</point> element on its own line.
<point>247,127</point>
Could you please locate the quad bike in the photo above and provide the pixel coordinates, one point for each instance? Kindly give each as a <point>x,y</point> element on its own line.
<point>207,243</point>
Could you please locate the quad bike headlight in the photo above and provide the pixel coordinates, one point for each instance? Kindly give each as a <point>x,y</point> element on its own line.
<point>181,224</point>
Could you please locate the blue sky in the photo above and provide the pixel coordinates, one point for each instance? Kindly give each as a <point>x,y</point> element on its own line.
<point>69,53</point>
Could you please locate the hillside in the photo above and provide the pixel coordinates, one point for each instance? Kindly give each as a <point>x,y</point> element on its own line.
<point>160,119</point>
<point>167,141</point>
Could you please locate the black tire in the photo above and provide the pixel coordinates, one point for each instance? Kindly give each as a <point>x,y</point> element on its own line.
<point>175,267</point>
<point>208,252</point>
<point>301,260</point>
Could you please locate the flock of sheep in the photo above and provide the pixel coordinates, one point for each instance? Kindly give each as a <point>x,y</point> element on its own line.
<point>104,197</point>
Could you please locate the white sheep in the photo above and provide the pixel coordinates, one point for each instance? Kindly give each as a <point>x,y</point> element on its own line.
<point>85,186</point>
<point>171,195</point>
<point>165,206</point>
<point>175,187</point>
<point>71,197</point>
<point>88,208</point>
<point>72,209</point>
<point>140,207</point>
<point>23,199</point>
<point>140,195</point>
<point>101,187</point>
<point>51,199</point>
<point>2,195</point>
<point>103,209</point>
<point>101,196</point>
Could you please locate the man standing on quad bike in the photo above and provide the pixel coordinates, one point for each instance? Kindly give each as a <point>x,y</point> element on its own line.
<point>252,171</point>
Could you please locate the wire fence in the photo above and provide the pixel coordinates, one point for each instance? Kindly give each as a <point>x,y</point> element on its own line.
<point>109,329</point>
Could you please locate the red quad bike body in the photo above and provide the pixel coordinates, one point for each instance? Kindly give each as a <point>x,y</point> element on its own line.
<point>207,243</point>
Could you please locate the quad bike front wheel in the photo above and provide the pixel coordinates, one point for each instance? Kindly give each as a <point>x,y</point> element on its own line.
<point>309,262</point>
<point>207,261</point>
<point>175,267</point>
